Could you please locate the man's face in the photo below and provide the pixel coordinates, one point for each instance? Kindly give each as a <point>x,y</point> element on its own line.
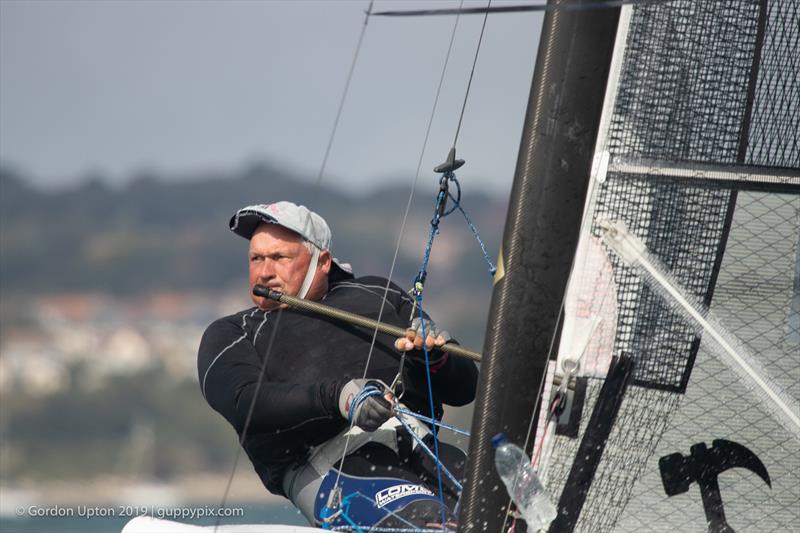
<point>279,260</point>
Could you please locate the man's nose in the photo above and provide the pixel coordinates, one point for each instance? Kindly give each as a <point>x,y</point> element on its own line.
<point>267,270</point>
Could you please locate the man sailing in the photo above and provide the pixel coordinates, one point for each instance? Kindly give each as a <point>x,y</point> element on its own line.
<point>306,391</point>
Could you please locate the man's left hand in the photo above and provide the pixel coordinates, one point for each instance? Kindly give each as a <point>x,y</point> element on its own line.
<point>367,403</point>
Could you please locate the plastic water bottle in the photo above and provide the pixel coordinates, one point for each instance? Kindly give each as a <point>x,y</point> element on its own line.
<point>522,483</point>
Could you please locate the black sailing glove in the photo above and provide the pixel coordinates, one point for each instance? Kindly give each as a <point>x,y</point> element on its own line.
<point>414,333</point>
<point>361,402</point>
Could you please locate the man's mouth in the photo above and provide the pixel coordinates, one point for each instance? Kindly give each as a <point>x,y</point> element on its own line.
<point>271,286</point>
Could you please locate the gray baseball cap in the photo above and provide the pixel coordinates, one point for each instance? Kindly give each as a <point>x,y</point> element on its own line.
<point>297,218</point>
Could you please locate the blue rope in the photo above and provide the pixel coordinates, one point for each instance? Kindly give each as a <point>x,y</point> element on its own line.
<point>345,507</point>
<point>395,530</point>
<point>427,450</point>
<point>363,394</point>
<point>433,409</point>
<point>387,511</point>
<point>418,416</point>
<point>352,524</point>
<point>419,285</point>
<point>440,213</point>
<point>457,203</point>
<point>437,216</point>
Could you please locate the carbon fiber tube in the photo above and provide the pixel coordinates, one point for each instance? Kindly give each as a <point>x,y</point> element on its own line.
<point>358,320</point>
<point>354,319</point>
<point>541,235</point>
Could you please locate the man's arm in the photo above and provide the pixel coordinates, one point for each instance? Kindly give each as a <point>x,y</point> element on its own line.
<point>456,381</point>
<point>229,371</point>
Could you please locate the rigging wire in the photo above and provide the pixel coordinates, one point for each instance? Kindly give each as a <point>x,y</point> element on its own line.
<point>472,228</point>
<point>268,351</point>
<point>441,198</point>
<point>433,421</point>
<point>439,465</point>
<point>589,209</point>
<point>585,227</point>
<point>471,74</point>
<point>402,231</point>
<point>405,216</point>
<point>564,6</point>
<point>352,526</point>
<point>247,420</point>
<point>439,213</point>
<point>344,93</point>
<point>485,11</point>
<point>403,224</point>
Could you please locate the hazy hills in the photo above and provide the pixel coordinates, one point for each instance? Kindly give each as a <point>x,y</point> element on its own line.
<point>156,234</point>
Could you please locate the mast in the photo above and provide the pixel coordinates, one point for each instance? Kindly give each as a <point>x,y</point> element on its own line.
<point>539,242</point>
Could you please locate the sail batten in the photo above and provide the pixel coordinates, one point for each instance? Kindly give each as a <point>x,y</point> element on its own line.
<point>730,175</point>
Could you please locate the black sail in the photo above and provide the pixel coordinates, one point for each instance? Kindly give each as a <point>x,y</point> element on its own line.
<point>540,238</point>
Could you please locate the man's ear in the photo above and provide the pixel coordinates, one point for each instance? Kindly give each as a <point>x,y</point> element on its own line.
<point>324,261</point>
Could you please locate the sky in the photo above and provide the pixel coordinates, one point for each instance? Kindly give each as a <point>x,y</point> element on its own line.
<point>181,88</point>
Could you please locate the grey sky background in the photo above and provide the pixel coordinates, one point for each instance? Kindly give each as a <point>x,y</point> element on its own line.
<point>187,87</point>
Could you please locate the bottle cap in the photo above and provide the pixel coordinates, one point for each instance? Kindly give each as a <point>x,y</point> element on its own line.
<point>499,439</point>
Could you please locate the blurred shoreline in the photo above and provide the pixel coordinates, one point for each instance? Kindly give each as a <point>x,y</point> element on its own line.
<point>113,490</point>
<point>106,292</point>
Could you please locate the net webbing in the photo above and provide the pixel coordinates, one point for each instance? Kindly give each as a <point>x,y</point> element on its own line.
<point>689,69</point>
<point>774,139</point>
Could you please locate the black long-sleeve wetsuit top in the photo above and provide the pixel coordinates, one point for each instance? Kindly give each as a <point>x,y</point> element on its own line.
<point>312,357</point>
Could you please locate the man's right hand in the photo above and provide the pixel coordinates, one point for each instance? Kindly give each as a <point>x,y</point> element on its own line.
<point>365,403</point>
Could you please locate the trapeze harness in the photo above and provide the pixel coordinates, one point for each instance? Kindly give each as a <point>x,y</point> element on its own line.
<point>387,480</point>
